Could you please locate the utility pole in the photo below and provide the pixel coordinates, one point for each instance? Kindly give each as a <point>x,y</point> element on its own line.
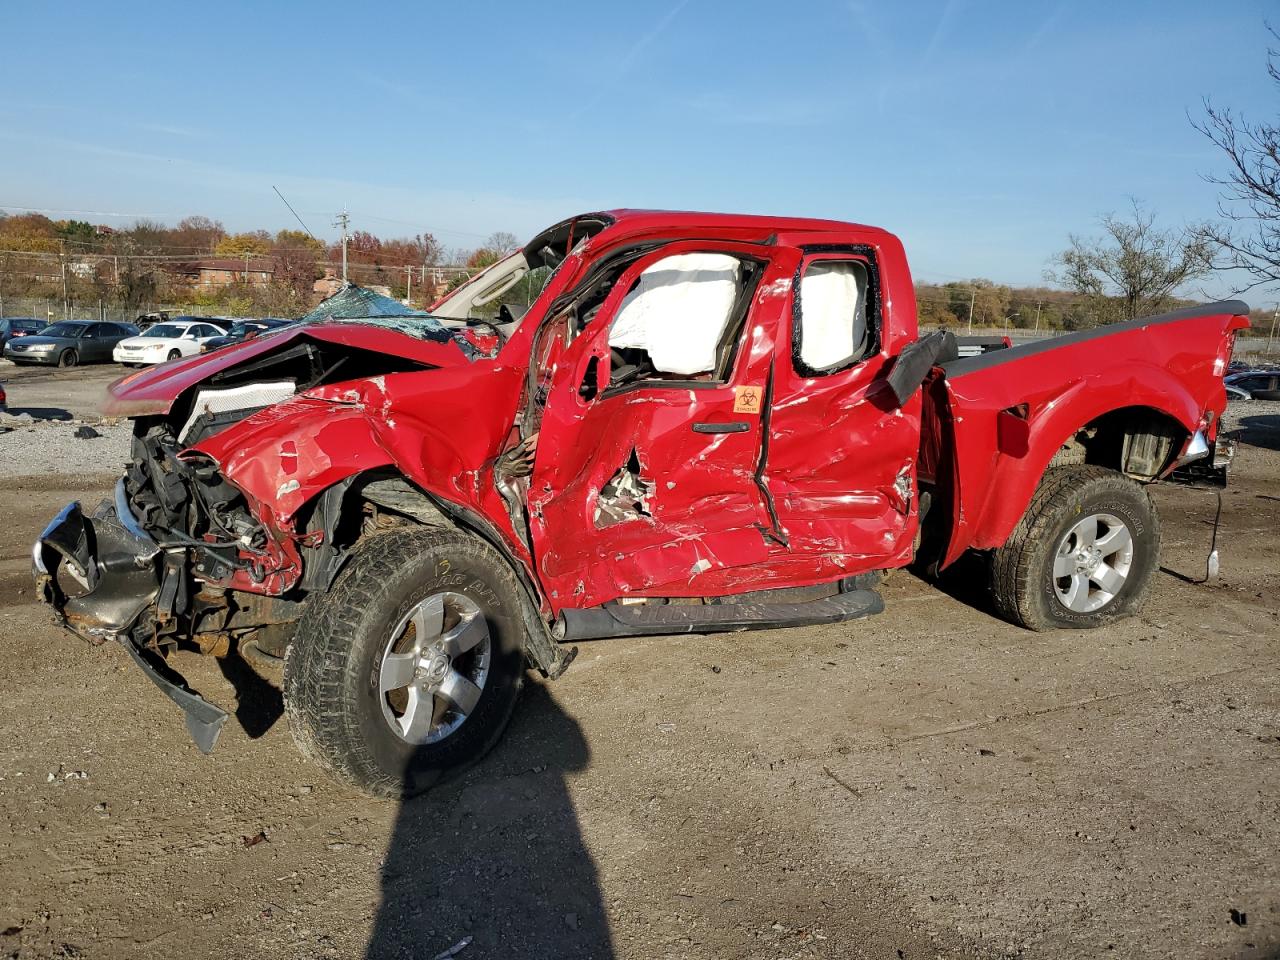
<point>408,295</point>
<point>1271,337</point>
<point>62,260</point>
<point>245,278</point>
<point>343,221</point>
<point>1037,316</point>
<point>973,295</point>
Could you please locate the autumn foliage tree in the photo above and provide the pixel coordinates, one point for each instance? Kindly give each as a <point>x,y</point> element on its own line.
<point>254,243</point>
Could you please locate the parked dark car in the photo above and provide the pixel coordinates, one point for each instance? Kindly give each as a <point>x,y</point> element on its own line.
<point>145,320</point>
<point>1258,384</point>
<point>11,327</point>
<point>244,330</point>
<point>70,342</point>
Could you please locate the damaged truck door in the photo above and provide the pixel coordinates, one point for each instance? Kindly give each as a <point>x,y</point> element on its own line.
<point>652,433</point>
<point>842,450</point>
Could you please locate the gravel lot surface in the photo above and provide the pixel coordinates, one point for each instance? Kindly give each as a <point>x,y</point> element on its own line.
<point>45,406</point>
<point>51,447</point>
<point>931,782</point>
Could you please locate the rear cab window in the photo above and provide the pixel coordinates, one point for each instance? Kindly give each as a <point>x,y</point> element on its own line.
<point>835,312</point>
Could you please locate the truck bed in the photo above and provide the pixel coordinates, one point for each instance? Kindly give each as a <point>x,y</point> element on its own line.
<point>994,423</point>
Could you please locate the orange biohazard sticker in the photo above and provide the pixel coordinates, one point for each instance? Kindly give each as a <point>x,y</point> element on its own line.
<point>747,399</point>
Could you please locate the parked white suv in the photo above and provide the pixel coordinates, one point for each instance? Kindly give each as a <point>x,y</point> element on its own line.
<point>164,341</point>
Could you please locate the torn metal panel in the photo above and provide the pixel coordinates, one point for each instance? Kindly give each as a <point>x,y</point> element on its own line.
<point>155,390</point>
<point>625,497</point>
<point>704,512</point>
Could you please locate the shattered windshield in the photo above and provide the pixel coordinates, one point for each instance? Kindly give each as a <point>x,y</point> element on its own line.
<point>422,327</point>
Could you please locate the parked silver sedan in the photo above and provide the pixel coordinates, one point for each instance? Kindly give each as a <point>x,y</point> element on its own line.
<point>69,342</point>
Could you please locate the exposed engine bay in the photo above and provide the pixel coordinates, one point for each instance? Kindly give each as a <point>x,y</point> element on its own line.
<point>180,545</point>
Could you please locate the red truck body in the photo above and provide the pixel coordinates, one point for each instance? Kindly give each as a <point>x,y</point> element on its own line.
<point>763,474</point>
<point>837,446</point>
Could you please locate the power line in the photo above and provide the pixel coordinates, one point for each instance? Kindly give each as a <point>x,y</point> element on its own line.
<point>294,212</point>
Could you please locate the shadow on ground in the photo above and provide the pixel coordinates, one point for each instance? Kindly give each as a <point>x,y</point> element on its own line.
<point>967,580</point>
<point>498,856</point>
<point>1261,430</point>
<point>40,413</point>
<point>259,702</point>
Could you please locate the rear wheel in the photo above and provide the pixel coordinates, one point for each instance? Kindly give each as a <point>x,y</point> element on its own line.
<point>407,670</point>
<point>68,358</point>
<point>1083,553</point>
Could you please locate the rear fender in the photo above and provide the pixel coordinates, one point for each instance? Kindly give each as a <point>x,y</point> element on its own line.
<point>1002,448</point>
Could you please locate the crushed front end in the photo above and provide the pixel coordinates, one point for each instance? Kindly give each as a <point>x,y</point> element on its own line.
<point>179,557</point>
<point>148,568</point>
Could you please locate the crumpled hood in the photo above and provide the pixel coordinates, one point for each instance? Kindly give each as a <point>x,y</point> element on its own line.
<point>154,390</point>
<point>440,428</point>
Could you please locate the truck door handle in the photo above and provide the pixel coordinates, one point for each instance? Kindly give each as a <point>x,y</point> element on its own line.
<point>733,426</point>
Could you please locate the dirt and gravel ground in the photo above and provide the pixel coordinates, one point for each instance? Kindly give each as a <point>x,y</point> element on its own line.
<point>931,782</point>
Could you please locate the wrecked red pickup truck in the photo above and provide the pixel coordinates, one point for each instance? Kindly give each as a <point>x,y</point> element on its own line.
<point>702,423</point>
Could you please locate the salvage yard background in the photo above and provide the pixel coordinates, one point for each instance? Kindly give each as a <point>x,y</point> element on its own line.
<point>930,782</point>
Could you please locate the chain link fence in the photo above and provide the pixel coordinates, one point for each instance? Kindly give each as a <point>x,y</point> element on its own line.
<point>52,309</point>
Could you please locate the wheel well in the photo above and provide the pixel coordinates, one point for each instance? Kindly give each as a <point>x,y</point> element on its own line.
<point>1138,441</point>
<point>362,504</point>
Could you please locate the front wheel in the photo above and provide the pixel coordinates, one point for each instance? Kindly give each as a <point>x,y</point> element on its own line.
<point>1083,553</point>
<point>407,670</point>
<point>174,355</point>
<point>68,358</point>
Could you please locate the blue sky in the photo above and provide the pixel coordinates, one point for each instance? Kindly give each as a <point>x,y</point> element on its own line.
<point>981,132</point>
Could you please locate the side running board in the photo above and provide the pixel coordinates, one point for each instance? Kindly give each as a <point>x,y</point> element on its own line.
<point>647,619</point>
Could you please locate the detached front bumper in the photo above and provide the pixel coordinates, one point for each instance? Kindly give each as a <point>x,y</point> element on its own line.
<point>107,579</point>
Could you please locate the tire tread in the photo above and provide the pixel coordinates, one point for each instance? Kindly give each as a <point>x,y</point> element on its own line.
<point>318,669</point>
<point>1013,566</point>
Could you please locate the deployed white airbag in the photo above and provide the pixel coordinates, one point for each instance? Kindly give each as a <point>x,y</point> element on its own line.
<point>833,328</point>
<point>678,311</point>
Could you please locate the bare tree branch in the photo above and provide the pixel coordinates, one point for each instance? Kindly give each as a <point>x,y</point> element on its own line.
<point>1250,200</point>
<point>1135,268</point>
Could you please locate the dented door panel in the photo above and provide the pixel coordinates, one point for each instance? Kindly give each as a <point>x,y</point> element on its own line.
<point>657,480</point>
<point>842,452</point>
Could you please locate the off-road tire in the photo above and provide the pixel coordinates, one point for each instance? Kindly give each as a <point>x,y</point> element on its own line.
<point>1022,583</point>
<point>68,358</point>
<point>331,667</point>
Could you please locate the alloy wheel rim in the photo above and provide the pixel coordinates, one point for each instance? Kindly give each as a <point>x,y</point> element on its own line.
<point>1092,562</point>
<point>434,668</point>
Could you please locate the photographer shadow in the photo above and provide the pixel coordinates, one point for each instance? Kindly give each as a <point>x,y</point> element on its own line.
<point>497,856</point>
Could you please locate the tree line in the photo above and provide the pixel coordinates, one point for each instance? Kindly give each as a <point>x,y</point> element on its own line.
<point>147,263</point>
